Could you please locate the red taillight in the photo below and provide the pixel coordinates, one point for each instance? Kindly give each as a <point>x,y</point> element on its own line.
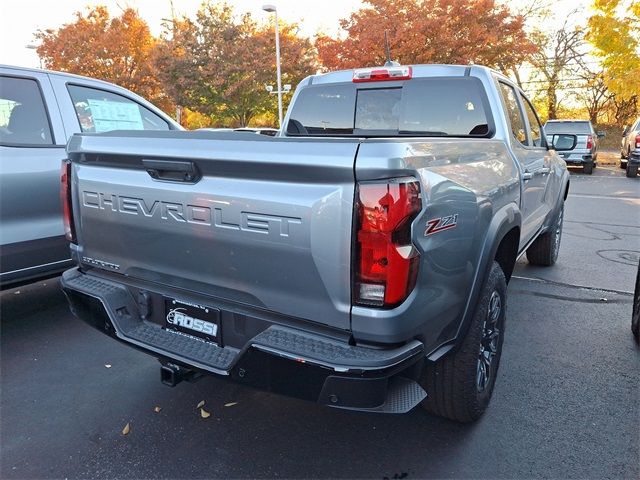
<point>637,141</point>
<point>380,74</point>
<point>589,142</point>
<point>387,262</point>
<point>65,198</point>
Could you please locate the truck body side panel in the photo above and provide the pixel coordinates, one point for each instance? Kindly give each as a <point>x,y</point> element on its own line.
<point>471,179</point>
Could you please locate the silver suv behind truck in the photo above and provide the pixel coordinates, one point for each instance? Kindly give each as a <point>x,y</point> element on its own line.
<point>630,149</point>
<point>39,111</point>
<point>583,149</point>
<point>359,260</point>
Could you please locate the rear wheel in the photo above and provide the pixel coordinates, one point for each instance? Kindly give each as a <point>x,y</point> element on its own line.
<point>624,161</point>
<point>632,170</point>
<point>544,250</point>
<point>459,386</point>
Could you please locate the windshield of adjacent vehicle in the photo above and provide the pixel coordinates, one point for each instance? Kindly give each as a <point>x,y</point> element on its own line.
<point>567,127</point>
<point>442,106</point>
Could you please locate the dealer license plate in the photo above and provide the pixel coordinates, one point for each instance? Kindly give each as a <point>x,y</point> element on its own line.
<point>192,319</point>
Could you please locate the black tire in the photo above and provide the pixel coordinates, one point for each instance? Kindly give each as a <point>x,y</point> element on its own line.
<point>456,387</point>
<point>587,168</point>
<point>632,170</point>
<point>544,250</point>
<point>624,161</point>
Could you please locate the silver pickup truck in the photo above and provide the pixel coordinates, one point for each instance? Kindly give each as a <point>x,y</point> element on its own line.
<point>360,259</point>
<point>39,111</point>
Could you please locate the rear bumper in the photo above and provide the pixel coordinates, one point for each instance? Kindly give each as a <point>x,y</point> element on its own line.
<point>578,158</point>
<point>279,358</point>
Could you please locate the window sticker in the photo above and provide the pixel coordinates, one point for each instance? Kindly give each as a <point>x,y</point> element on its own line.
<point>109,116</point>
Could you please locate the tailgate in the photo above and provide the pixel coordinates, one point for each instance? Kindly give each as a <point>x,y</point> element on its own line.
<point>266,222</point>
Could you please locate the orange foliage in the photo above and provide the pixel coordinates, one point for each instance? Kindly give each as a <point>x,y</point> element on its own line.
<point>428,31</point>
<point>113,49</point>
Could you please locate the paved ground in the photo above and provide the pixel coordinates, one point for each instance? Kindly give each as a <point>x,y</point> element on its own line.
<point>566,405</point>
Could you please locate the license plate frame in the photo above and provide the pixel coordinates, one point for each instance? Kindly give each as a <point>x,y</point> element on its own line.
<point>192,319</point>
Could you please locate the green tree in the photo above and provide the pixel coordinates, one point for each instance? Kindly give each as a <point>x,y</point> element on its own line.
<point>219,64</point>
<point>614,32</point>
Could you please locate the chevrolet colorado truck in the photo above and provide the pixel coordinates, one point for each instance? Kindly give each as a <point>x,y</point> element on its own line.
<point>359,259</point>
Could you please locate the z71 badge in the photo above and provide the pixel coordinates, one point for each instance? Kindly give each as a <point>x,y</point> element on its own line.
<point>440,224</point>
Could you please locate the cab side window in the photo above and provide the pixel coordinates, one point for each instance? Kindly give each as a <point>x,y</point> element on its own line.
<point>514,112</point>
<point>102,111</point>
<point>535,128</point>
<point>23,117</point>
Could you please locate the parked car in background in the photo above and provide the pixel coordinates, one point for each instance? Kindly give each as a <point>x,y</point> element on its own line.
<point>630,149</point>
<point>581,152</point>
<point>39,111</point>
<point>258,130</point>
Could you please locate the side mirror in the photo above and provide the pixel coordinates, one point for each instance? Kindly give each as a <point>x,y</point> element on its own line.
<point>625,130</point>
<point>564,142</point>
<point>601,134</point>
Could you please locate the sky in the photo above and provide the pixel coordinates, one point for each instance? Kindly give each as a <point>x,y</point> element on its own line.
<point>20,19</point>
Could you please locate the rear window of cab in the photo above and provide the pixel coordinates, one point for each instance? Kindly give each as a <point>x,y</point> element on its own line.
<point>430,107</point>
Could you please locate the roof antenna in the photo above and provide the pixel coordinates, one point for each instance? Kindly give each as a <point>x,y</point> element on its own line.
<point>389,62</point>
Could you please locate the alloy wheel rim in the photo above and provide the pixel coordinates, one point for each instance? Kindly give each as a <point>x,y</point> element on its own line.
<point>489,343</point>
<point>558,233</point>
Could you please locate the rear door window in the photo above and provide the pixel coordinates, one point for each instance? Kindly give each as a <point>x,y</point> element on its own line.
<point>535,128</point>
<point>455,106</point>
<point>23,116</point>
<point>514,112</point>
<point>102,111</point>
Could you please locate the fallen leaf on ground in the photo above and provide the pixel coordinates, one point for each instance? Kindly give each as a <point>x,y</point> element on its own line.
<point>108,365</point>
<point>157,409</point>
<point>204,413</point>
<point>126,429</point>
<point>201,404</point>
<point>230,404</point>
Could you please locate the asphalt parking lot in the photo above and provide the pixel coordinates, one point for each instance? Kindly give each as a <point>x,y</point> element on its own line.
<point>566,403</point>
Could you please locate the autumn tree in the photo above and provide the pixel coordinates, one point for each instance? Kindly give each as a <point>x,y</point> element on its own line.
<point>593,93</point>
<point>614,32</point>
<point>428,31</point>
<point>219,64</point>
<point>115,49</point>
<point>557,58</point>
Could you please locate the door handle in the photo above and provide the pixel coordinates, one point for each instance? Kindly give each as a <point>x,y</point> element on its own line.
<point>545,170</point>
<point>527,175</point>
<point>171,170</point>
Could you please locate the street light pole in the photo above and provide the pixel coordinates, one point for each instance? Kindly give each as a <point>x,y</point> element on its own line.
<point>34,47</point>
<point>273,9</point>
